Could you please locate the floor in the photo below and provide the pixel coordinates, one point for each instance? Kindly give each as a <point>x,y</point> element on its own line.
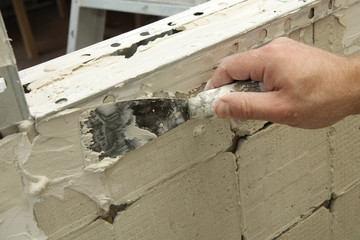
<point>50,32</point>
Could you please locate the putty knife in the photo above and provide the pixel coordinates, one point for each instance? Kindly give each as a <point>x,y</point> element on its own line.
<point>114,129</point>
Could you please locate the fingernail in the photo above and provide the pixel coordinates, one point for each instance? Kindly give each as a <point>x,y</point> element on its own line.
<point>222,109</point>
<point>208,86</point>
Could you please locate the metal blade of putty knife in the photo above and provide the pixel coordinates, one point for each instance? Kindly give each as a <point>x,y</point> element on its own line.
<point>114,129</point>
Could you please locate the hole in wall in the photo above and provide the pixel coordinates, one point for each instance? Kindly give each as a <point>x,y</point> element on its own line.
<point>235,47</point>
<point>198,13</point>
<point>144,34</point>
<point>311,13</point>
<point>61,101</point>
<point>3,86</point>
<point>330,4</point>
<point>287,24</point>
<point>130,51</point>
<point>109,99</point>
<point>115,44</point>
<point>171,24</point>
<point>263,34</point>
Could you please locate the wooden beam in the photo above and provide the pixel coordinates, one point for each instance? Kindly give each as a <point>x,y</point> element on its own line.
<point>25,28</point>
<point>63,10</point>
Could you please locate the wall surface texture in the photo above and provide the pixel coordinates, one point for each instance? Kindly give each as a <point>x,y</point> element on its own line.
<point>206,179</point>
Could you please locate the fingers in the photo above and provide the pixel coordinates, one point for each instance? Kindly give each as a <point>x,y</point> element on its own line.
<point>243,66</point>
<point>249,105</point>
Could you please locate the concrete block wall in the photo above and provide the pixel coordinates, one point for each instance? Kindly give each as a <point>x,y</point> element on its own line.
<point>206,179</point>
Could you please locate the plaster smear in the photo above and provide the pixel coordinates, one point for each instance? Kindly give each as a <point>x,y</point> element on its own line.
<point>350,19</point>
<point>56,162</point>
<point>16,215</point>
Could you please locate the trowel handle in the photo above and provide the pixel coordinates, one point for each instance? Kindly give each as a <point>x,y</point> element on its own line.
<point>202,105</point>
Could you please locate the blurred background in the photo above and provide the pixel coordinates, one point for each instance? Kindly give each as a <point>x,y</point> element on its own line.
<point>49,22</point>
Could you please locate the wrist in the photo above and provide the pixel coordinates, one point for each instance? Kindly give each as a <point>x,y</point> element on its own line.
<point>354,76</point>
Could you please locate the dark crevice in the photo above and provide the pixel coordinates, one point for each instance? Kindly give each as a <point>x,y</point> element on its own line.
<point>25,88</point>
<point>266,125</point>
<point>326,204</point>
<point>114,211</point>
<point>243,237</point>
<point>234,145</point>
<point>329,203</point>
<point>130,51</point>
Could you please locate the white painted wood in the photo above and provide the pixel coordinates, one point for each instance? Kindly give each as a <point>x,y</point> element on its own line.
<point>84,78</point>
<point>166,8</point>
<point>87,19</point>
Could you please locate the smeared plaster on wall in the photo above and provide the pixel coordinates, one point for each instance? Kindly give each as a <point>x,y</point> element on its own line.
<point>350,18</point>
<point>56,161</point>
<point>57,217</point>
<point>329,34</point>
<point>17,221</point>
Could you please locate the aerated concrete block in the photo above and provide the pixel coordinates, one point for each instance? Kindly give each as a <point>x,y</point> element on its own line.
<point>198,203</point>
<point>346,215</point>
<point>149,165</point>
<point>284,173</point>
<point>344,139</point>
<point>317,226</point>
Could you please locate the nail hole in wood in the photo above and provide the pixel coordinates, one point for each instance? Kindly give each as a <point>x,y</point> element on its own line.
<point>109,99</point>
<point>115,45</point>
<point>171,24</point>
<point>198,13</point>
<point>287,24</point>
<point>311,13</point>
<point>61,101</point>
<point>235,47</point>
<point>262,34</point>
<point>330,5</point>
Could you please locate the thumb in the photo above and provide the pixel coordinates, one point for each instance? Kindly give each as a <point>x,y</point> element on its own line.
<point>249,105</point>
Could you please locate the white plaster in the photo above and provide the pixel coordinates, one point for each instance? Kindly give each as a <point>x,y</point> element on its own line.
<point>350,19</point>
<point>18,224</point>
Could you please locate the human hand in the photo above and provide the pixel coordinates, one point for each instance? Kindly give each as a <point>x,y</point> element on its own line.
<point>304,86</point>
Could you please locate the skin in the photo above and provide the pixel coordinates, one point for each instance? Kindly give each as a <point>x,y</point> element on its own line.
<point>305,87</point>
